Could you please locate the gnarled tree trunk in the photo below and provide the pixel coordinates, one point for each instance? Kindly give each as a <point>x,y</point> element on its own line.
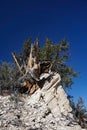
<point>33,69</point>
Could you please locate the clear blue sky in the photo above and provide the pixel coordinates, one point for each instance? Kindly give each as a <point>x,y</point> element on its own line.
<point>55,19</point>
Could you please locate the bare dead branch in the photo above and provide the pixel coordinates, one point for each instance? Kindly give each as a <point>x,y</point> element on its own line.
<point>16,62</point>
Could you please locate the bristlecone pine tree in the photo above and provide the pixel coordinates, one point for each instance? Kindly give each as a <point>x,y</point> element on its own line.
<point>33,61</point>
<point>55,53</point>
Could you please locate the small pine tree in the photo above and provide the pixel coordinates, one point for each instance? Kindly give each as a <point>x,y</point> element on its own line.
<point>79,111</point>
<point>8,77</point>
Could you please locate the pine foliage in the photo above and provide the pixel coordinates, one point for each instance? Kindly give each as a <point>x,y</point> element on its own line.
<point>58,54</point>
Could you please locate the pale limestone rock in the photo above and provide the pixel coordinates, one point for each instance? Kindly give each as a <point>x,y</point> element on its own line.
<point>47,109</point>
<point>63,101</point>
<point>55,97</point>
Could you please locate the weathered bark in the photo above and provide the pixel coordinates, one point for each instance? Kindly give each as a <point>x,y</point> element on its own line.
<point>45,67</point>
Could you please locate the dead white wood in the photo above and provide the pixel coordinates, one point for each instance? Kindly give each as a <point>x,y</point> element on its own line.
<point>15,59</point>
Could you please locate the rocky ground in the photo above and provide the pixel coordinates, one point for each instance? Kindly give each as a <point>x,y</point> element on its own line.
<point>46,109</point>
